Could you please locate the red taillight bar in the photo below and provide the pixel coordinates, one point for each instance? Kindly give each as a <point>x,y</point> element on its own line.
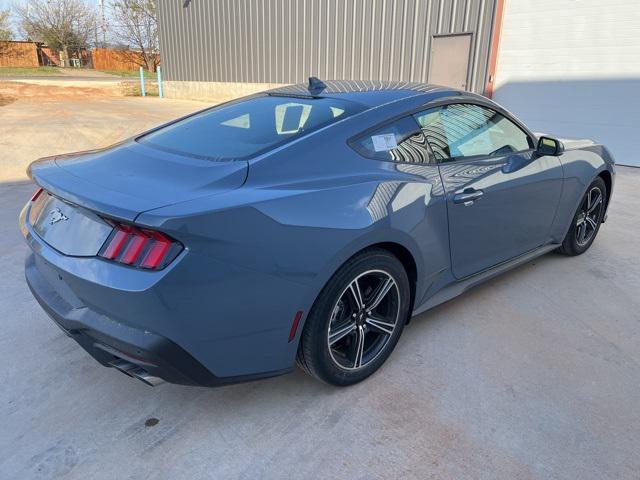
<point>158,250</point>
<point>137,241</point>
<point>139,247</point>
<point>36,194</point>
<point>114,247</point>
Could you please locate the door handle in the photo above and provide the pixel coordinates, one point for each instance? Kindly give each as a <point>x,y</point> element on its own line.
<point>467,196</point>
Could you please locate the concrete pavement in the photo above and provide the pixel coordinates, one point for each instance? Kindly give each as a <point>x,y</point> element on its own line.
<point>534,375</point>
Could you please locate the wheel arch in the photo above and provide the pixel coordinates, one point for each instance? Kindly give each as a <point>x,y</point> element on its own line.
<point>608,182</point>
<point>407,260</point>
<point>403,251</point>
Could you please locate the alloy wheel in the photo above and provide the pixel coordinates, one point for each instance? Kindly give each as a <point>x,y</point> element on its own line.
<point>363,319</point>
<point>589,216</point>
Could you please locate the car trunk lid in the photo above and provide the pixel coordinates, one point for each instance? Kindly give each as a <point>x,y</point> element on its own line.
<point>125,181</point>
<point>70,229</point>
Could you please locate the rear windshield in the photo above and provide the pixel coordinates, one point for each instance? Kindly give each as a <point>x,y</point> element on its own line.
<point>246,128</point>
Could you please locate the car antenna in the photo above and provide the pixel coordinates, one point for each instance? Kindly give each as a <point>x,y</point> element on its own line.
<point>316,86</point>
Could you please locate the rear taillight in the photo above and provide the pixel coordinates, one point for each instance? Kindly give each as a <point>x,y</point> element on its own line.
<point>36,194</point>
<point>139,247</point>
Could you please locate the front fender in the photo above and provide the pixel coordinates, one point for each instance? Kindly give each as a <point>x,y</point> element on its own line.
<point>580,167</point>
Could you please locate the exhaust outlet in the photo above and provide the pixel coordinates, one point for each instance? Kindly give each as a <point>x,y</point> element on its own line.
<point>133,370</point>
<point>146,377</point>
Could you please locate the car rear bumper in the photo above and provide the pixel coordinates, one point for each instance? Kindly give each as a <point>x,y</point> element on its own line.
<point>147,356</point>
<point>208,318</point>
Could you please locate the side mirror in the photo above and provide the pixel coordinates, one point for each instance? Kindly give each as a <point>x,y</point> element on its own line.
<point>549,146</point>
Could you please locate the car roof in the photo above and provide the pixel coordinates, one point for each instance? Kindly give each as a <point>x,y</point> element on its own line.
<point>366,92</point>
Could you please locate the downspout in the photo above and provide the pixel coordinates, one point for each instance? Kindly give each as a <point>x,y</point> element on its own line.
<point>494,47</point>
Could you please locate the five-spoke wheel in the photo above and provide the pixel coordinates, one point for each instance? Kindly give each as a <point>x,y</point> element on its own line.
<point>363,319</point>
<point>589,216</point>
<point>587,219</point>
<point>357,320</point>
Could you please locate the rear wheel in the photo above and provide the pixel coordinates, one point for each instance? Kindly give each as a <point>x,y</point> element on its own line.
<point>587,220</point>
<point>356,320</point>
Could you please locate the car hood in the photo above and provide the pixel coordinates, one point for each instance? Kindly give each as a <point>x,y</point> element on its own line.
<point>128,179</point>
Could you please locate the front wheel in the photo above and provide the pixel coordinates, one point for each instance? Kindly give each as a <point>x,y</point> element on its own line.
<point>587,220</point>
<point>357,319</point>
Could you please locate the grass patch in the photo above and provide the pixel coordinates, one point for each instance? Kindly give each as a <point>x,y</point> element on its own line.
<point>29,71</point>
<point>132,89</point>
<point>136,73</point>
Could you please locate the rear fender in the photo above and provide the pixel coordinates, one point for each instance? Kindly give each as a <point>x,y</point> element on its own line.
<point>364,241</point>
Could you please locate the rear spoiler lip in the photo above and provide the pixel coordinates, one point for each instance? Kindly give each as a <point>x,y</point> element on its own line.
<point>68,188</point>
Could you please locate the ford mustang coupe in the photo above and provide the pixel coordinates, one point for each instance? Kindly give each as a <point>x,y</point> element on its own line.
<point>307,223</point>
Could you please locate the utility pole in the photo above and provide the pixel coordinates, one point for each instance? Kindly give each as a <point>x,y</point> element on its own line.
<point>103,25</point>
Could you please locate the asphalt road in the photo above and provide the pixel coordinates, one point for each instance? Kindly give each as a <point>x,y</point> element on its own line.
<point>534,374</point>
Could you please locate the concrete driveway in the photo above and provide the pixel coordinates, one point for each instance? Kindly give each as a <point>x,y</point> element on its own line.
<point>534,375</point>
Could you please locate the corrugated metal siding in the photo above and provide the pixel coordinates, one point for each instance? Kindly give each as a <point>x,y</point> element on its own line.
<point>285,41</point>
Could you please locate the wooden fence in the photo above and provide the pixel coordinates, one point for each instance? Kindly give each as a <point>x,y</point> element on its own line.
<point>120,60</point>
<point>18,54</point>
<point>30,54</point>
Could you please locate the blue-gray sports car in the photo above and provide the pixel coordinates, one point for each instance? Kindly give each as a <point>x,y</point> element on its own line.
<point>307,223</point>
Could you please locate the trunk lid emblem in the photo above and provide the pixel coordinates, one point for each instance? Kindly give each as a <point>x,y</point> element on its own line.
<point>56,216</point>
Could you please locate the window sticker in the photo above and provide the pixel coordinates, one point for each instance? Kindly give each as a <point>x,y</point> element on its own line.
<point>384,142</point>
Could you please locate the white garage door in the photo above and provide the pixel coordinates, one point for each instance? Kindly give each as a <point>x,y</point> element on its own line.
<point>571,68</point>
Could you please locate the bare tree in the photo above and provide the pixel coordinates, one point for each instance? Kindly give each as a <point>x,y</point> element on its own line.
<point>64,25</point>
<point>5,27</point>
<point>5,32</point>
<point>135,27</point>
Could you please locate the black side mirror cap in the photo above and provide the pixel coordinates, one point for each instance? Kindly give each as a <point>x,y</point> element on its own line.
<point>549,146</point>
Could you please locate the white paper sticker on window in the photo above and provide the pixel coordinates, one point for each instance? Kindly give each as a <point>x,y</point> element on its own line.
<point>384,142</point>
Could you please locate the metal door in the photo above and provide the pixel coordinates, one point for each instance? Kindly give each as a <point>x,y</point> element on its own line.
<point>450,60</point>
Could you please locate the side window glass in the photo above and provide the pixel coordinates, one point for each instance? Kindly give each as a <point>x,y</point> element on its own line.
<point>466,130</point>
<point>401,141</point>
<point>431,124</point>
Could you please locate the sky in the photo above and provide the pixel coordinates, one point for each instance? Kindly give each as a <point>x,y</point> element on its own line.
<point>6,5</point>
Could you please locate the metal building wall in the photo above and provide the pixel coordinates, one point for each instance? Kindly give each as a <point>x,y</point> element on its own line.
<point>284,41</point>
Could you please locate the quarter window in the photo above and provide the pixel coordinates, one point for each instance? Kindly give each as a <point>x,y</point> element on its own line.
<point>466,130</point>
<point>401,141</point>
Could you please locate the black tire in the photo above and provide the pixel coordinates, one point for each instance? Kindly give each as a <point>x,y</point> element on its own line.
<point>574,242</point>
<point>336,306</point>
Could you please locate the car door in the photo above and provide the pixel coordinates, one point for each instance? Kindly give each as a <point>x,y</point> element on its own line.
<point>501,195</point>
